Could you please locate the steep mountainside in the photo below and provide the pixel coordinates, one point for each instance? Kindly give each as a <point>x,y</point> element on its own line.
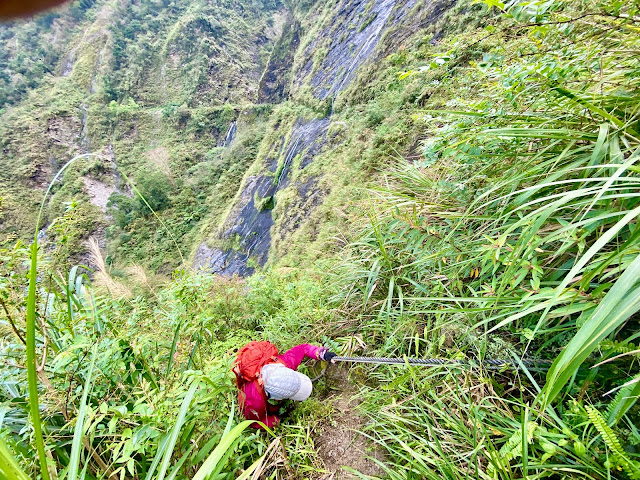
<point>227,117</point>
<point>283,191</point>
<point>149,89</point>
<point>450,181</point>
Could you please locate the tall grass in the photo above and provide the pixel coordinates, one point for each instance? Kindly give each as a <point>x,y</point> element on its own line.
<point>76,318</point>
<point>521,235</point>
<point>78,432</point>
<point>457,426</point>
<point>194,444</point>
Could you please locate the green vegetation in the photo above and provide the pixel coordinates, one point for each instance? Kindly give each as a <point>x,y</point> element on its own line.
<point>151,88</point>
<point>520,220</point>
<point>476,196</point>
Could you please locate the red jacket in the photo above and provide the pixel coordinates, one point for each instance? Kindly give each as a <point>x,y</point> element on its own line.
<point>255,406</point>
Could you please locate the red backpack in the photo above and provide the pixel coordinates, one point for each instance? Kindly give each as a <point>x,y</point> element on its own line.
<point>251,358</point>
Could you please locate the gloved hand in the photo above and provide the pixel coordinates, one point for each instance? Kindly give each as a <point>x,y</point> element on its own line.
<point>327,356</point>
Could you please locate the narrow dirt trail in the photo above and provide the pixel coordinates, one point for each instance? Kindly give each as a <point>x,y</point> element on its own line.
<point>340,444</point>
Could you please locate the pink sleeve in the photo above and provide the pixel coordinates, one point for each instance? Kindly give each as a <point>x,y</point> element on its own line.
<point>294,356</point>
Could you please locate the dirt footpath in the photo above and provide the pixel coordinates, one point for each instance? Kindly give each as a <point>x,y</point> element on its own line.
<point>340,444</point>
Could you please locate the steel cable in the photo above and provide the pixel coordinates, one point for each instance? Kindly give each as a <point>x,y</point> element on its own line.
<point>491,363</point>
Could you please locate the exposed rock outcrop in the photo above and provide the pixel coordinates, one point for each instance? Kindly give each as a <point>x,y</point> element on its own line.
<point>328,64</point>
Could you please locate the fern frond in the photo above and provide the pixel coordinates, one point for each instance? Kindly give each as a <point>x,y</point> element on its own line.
<point>512,447</point>
<point>613,347</point>
<point>613,443</point>
<point>623,401</point>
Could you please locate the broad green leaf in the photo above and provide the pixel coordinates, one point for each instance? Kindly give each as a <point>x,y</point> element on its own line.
<point>622,301</point>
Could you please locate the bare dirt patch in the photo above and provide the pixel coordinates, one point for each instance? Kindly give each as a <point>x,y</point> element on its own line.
<point>340,444</point>
<point>99,192</point>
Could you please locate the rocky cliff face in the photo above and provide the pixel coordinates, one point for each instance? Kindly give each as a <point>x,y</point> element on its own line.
<point>338,39</point>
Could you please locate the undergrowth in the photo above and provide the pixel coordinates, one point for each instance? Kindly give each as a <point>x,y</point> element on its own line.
<point>518,223</point>
<point>510,231</point>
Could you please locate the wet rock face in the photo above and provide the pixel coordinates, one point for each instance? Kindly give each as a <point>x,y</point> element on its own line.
<point>248,226</point>
<point>251,219</point>
<point>307,138</point>
<point>226,262</point>
<point>274,84</point>
<point>249,223</point>
<point>358,28</point>
<point>230,136</point>
<point>352,38</point>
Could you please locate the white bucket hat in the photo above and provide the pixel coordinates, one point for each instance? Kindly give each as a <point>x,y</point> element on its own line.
<point>281,382</point>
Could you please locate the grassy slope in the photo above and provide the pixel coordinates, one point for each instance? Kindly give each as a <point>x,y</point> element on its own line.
<point>430,424</point>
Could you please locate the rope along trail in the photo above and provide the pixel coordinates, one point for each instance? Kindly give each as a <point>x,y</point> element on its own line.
<point>491,363</point>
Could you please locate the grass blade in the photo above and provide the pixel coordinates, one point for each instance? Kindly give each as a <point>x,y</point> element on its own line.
<point>226,442</point>
<point>252,468</point>
<point>588,255</point>
<point>173,347</point>
<point>615,308</point>
<point>256,468</point>
<point>32,374</point>
<point>9,468</point>
<point>626,398</point>
<point>168,451</point>
<point>76,446</point>
<point>156,460</point>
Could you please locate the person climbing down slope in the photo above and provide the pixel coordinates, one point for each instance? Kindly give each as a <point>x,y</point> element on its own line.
<point>263,376</point>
